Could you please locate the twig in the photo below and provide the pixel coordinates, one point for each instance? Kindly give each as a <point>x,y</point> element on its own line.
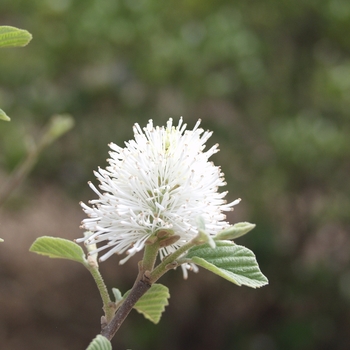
<point>139,289</point>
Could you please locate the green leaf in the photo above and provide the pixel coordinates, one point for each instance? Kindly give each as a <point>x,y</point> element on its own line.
<point>201,223</point>
<point>117,295</point>
<point>152,304</point>
<point>60,248</point>
<point>235,231</point>
<point>204,237</point>
<point>233,262</point>
<point>12,37</point>
<point>4,116</point>
<point>1,240</point>
<point>100,343</point>
<point>58,125</point>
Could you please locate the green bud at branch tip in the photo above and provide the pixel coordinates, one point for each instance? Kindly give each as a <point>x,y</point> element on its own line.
<point>58,126</point>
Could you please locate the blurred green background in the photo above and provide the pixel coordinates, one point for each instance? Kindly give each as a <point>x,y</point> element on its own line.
<point>270,78</point>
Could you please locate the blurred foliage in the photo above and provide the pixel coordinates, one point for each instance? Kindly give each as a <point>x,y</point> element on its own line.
<point>271,78</point>
<point>12,37</point>
<point>57,126</point>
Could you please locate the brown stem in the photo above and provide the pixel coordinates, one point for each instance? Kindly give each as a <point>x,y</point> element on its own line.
<point>138,290</point>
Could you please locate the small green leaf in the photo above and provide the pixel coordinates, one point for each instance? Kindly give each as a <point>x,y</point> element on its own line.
<point>233,262</point>
<point>100,343</point>
<point>55,247</point>
<point>4,116</point>
<point>235,231</point>
<point>1,240</point>
<point>201,223</point>
<point>205,237</point>
<point>153,303</point>
<point>117,295</point>
<point>12,37</point>
<point>58,125</point>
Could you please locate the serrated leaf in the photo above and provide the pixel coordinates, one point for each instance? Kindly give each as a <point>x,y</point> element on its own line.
<point>233,262</point>
<point>152,304</point>
<point>100,343</point>
<point>55,247</point>
<point>12,37</point>
<point>235,231</point>
<point>4,116</point>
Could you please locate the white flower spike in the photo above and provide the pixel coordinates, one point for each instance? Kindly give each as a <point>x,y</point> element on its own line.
<point>160,181</point>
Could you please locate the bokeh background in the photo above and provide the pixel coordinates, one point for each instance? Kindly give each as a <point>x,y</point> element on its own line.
<point>270,78</point>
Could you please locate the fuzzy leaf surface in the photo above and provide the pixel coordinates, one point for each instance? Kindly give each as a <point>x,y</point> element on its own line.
<point>152,304</point>
<point>55,247</point>
<point>12,37</point>
<point>4,116</point>
<point>117,295</point>
<point>100,343</point>
<point>235,231</point>
<point>233,262</point>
